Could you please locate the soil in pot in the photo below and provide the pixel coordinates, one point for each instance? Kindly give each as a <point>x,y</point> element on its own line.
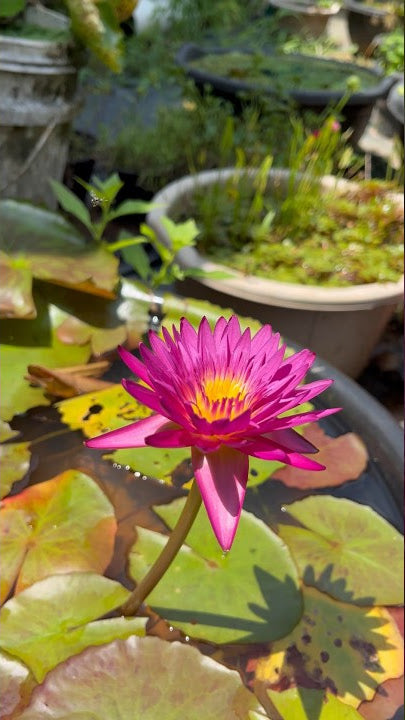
<point>351,239</point>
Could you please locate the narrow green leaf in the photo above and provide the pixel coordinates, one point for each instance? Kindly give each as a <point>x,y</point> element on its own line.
<point>71,203</point>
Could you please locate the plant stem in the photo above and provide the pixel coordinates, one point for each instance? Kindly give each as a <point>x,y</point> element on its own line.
<point>169,552</point>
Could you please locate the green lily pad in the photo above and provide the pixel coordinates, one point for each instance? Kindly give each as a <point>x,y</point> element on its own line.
<point>343,648</point>
<point>32,342</point>
<point>15,289</point>
<point>51,620</point>
<point>304,704</point>
<point>346,550</point>
<point>16,684</point>
<point>15,461</point>
<point>41,243</point>
<point>57,526</point>
<point>249,595</point>
<point>142,679</point>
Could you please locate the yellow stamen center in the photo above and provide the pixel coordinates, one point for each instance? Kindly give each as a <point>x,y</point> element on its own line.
<point>220,397</point>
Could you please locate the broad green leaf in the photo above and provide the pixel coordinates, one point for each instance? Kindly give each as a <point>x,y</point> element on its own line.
<point>57,526</point>
<point>51,249</point>
<point>32,342</point>
<point>142,679</point>
<point>249,595</point>
<point>304,704</point>
<point>71,203</point>
<point>335,645</point>
<point>15,461</point>
<point>159,463</point>
<point>347,550</point>
<point>9,8</point>
<point>345,458</point>
<point>138,259</point>
<point>131,207</point>
<point>16,684</point>
<point>74,331</point>
<point>50,621</point>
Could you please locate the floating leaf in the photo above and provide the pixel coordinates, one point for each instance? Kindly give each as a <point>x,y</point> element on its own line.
<point>159,463</point>
<point>249,595</point>
<point>32,342</point>
<point>304,704</point>
<point>71,381</point>
<point>15,461</point>
<point>142,679</point>
<point>344,457</point>
<point>339,647</point>
<point>346,550</point>
<point>41,243</point>
<point>57,526</point>
<point>74,331</point>
<point>16,684</point>
<point>50,621</point>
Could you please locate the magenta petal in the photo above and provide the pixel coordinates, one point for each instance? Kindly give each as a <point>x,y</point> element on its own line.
<point>221,477</point>
<point>171,439</point>
<point>291,420</point>
<point>135,365</point>
<point>130,436</point>
<point>292,441</point>
<point>143,395</point>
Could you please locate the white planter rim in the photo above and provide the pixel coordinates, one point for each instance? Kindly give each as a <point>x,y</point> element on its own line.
<point>305,8</point>
<point>262,290</point>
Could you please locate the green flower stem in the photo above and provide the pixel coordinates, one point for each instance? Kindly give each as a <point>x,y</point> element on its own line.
<point>169,552</point>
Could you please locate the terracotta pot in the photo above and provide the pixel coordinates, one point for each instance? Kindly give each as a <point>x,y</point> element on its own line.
<point>340,324</point>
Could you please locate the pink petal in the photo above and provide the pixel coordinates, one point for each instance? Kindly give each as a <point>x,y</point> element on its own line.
<point>233,332</point>
<point>130,436</point>
<point>135,365</point>
<point>171,439</point>
<point>260,449</point>
<point>292,441</point>
<point>291,420</point>
<point>143,395</point>
<point>221,477</point>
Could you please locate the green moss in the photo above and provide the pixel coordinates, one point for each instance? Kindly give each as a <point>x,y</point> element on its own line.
<point>327,240</point>
<point>282,72</point>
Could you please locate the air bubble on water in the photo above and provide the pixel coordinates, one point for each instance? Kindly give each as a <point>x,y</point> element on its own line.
<point>171,628</point>
<point>283,509</point>
<point>187,639</point>
<point>137,473</point>
<point>127,467</point>
<point>161,482</point>
<point>144,477</point>
<point>118,467</point>
<point>115,465</point>
<point>224,554</point>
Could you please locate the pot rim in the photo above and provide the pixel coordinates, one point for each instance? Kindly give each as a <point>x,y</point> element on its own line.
<point>306,8</point>
<point>262,290</point>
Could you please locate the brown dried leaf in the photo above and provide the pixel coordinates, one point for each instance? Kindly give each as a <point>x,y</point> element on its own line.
<point>71,381</point>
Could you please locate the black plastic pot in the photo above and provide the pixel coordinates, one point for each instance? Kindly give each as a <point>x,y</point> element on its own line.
<point>365,22</point>
<point>356,112</point>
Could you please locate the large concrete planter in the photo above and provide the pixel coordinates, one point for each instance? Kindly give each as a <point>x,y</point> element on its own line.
<point>342,325</point>
<point>37,88</point>
<point>301,16</point>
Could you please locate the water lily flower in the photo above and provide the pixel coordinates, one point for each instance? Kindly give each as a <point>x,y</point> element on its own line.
<point>224,394</point>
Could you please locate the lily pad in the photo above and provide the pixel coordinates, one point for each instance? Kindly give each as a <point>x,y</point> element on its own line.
<point>342,648</point>
<point>304,704</point>
<point>346,550</point>
<point>32,342</point>
<point>16,684</point>
<point>345,458</point>
<point>249,595</point>
<point>57,526</point>
<point>46,246</point>
<point>142,679</point>
<point>15,461</point>
<point>15,288</point>
<point>50,621</point>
